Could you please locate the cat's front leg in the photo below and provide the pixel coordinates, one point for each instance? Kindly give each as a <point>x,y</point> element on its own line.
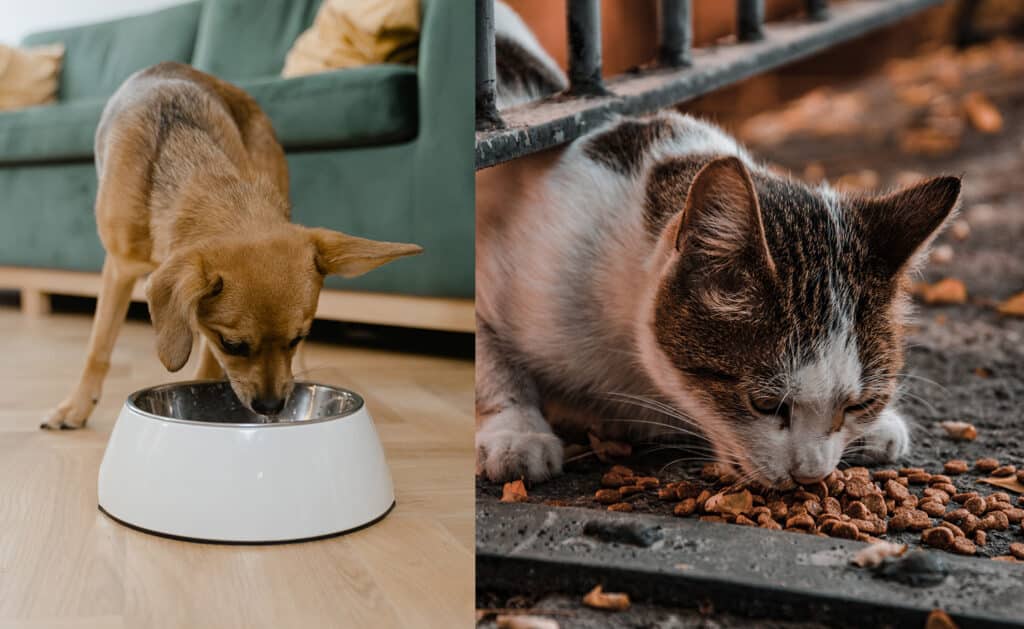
<point>889,438</point>
<point>513,440</point>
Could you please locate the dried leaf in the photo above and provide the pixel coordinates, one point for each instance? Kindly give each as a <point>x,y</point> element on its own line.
<point>982,114</point>
<point>1006,482</point>
<point>939,619</point>
<point>1014,306</point>
<point>873,555</point>
<point>732,504</point>
<point>608,450</point>
<point>610,601</point>
<point>947,291</point>
<point>960,431</point>
<point>514,492</point>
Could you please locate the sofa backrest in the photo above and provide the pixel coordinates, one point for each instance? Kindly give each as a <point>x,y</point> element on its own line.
<point>242,39</point>
<point>99,57</point>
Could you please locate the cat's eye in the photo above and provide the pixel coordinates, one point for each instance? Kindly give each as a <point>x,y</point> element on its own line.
<point>772,406</point>
<point>234,348</point>
<point>861,408</point>
<point>295,341</point>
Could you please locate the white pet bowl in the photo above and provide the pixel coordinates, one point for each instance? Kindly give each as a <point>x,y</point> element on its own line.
<point>188,460</point>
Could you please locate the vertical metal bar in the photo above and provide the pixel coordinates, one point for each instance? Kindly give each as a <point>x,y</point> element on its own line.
<point>585,47</point>
<point>676,33</point>
<point>749,19</point>
<point>486,83</point>
<point>817,10</point>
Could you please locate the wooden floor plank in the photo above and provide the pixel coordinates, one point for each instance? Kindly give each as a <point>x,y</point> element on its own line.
<point>65,565</point>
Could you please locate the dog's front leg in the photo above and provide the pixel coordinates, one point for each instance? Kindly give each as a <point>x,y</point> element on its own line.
<point>209,368</point>
<point>111,309</point>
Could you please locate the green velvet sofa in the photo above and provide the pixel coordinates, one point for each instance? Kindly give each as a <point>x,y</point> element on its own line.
<point>381,151</point>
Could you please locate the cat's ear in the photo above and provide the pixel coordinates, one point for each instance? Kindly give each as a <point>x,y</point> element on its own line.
<point>721,221</point>
<point>900,225</point>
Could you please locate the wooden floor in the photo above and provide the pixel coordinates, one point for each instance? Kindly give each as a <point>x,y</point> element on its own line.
<point>65,565</point>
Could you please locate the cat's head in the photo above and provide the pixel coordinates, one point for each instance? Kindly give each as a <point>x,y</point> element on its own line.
<point>778,310</point>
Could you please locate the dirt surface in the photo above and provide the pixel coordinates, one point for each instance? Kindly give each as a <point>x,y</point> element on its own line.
<point>964,362</point>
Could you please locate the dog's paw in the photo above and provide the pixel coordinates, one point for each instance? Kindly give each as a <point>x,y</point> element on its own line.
<point>70,414</point>
<point>888,440</point>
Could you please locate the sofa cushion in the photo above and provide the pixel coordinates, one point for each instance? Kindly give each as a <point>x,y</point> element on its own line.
<point>361,106</point>
<point>99,57</point>
<point>240,39</point>
<point>53,133</point>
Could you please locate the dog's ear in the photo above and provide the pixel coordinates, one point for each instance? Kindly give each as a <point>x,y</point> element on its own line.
<point>173,291</point>
<point>349,256</point>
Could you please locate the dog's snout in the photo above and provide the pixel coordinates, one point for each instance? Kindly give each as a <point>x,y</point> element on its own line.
<point>268,406</point>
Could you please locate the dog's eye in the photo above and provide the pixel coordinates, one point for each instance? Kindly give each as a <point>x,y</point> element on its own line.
<point>772,406</point>
<point>295,341</point>
<point>241,348</point>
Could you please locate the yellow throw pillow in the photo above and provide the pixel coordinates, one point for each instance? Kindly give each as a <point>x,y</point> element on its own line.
<point>349,33</point>
<point>28,76</point>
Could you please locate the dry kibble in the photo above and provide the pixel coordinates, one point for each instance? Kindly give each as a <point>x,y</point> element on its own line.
<point>1020,476</point>
<point>779,509</point>
<point>980,537</point>
<point>960,431</point>
<point>956,466</point>
<point>668,494</point>
<point>937,495</point>
<point>1004,470</point>
<point>745,521</point>
<point>731,504</point>
<point>986,465</point>
<point>844,530</point>
<point>949,488</point>
<point>623,507</point>
<point>995,521</point>
<point>1017,550</point>
<point>957,531</point>
<point>800,521</point>
<point>932,508</point>
<point>964,546</point>
<point>1014,515</point>
<point>939,479</point>
<point>896,491</point>
<point>875,504</point>
<point>857,509</point>
<point>976,505</point>
<point>884,475</point>
<point>768,523</point>
<point>963,497</point>
<point>939,537</point>
<point>611,480</point>
<point>686,507</point>
<point>1012,307</point>
<point>607,496</point>
<point>647,482</point>
<point>919,478</point>
<point>629,490</point>
<point>982,113</point>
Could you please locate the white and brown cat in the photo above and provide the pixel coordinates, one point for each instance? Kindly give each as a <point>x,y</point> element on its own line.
<point>656,275</point>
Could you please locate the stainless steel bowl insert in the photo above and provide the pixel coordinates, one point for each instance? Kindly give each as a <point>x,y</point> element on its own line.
<point>213,402</point>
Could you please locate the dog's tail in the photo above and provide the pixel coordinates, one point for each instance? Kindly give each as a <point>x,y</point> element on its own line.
<point>525,71</point>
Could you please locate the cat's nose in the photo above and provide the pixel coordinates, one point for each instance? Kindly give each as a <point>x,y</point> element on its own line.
<point>807,480</point>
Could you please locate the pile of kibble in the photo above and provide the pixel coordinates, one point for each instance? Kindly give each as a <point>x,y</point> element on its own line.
<point>854,503</point>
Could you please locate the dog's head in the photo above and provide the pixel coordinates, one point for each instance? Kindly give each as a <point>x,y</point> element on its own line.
<point>254,301</point>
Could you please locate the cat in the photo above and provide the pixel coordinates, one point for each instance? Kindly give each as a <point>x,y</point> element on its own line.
<point>655,274</point>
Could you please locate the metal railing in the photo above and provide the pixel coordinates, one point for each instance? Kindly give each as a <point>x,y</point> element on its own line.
<point>681,73</point>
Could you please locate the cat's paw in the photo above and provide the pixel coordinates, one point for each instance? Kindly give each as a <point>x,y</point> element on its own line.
<point>508,447</point>
<point>888,440</point>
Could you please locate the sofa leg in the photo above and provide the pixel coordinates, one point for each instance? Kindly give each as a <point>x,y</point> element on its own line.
<point>34,302</point>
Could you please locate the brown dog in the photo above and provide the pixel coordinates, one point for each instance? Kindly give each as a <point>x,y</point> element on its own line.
<point>193,188</point>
